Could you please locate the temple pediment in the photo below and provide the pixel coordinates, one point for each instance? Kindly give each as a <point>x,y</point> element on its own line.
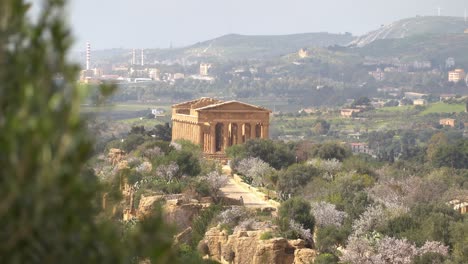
<point>234,106</point>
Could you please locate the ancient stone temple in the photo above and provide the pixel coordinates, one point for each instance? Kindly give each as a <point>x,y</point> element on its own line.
<point>216,125</point>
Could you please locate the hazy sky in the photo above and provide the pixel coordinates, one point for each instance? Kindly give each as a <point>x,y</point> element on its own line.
<point>157,23</point>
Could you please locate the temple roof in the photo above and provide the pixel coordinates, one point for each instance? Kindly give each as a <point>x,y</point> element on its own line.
<point>207,103</point>
<point>197,103</point>
<point>236,106</point>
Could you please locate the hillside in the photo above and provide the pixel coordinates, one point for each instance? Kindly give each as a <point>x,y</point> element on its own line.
<point>435,48</point>
<point>412,27</point>
<point>241,47</point>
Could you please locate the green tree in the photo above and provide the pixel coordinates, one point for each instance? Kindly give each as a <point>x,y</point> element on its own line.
<point>294,178</point>
<point>321,127</point>
<point>298,210</point>
<point>459,241</point>
<point>436,141</point>
<point>48,210</point>
<point>162,132</point>
<point>330,237</point>
<point>277,154</point>
<point>331,150</point>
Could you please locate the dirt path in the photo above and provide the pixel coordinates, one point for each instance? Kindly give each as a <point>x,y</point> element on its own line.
<point>236,190</point>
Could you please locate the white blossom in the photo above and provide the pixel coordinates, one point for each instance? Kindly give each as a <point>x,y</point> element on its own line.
<point>167,172</point>
<point>133,162</point>
<point>152,153</point>
<point>298,228</point>
<point>373,217</point>
<point>255,169</point>
<point>232,215</point>
<point>176,145</point>
<point>144,167</point>
<point>388,250</point>
<point>326,214</point>
<point>330,167</point>
<point>358,251</point>
<point>433,247</point>
<point>394,251</point>
<point>216,181</point>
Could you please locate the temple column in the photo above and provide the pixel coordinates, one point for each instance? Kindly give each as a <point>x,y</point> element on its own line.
<point>213,137</point>
<point>225,136</point>
<point>201,140</point>
<point>192,133</point>
<point>265,131</point>
<point>239,134</point>
<point>253,128</point>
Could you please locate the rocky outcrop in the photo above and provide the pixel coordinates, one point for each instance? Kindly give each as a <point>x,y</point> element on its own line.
<point>304,256</point>
<point>246,247</point>
<point>115,156</point>
<point>275,250</point>
<point>181,214</point>
<point>146,205</point>
<point>179,211</point>
<point>183,237</point>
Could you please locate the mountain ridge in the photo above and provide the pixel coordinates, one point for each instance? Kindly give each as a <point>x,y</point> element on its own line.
<point>420,25</point>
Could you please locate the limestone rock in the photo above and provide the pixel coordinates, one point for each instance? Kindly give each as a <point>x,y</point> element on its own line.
<point>181,215</point>
<point>184,236</point>
<point>146,205</point>
<point>276,250</point>
<point>214,239</point>
<point>115,156</point>
<point>246,247</point>
<point>304,256</point>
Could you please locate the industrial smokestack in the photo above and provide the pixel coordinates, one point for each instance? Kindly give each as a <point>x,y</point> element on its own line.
<point>88,55</point>
<point>142,57</point>
<point>133,57</point>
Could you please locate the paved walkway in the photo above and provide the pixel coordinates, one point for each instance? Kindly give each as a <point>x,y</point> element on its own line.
<point>235,190</point>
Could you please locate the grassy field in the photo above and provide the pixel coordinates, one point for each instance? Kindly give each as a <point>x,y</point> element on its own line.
<point>395,108</point>
<point>123,107</point>
<point>388,118</point>
<point>141,122</point>
<point>443,108</point>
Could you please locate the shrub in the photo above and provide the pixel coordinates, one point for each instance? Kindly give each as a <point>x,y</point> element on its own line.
<point>266,235</point>
<point>298,210</point>
<point>201,223</point>
<point>326,258</point>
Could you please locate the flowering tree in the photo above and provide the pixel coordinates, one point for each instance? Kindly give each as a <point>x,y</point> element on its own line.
<point>388,250</point>
<point>152,153</point>
<point>326,214</point>
<point>233,215</point>
<point>299,229</point>
<point>167,172</point>
<point>433,247</point>
<point>373,217</point>
<point>215,182</point>
<point>359,250</point>
<point>394,251</point>
<point>144,167</point>
<point>254,169</point>
<point>330,167</point>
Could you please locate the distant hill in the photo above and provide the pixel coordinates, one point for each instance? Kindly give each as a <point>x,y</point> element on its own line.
<point>435,48</point>
<point>240,47</point>
<point>412,27</point>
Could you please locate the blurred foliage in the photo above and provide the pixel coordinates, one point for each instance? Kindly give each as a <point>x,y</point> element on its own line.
<point>49,205</point>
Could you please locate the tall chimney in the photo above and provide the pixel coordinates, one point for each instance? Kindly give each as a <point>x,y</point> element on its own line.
<point>133,57</point>
<point>88,55</point>
<point>142,57</point>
